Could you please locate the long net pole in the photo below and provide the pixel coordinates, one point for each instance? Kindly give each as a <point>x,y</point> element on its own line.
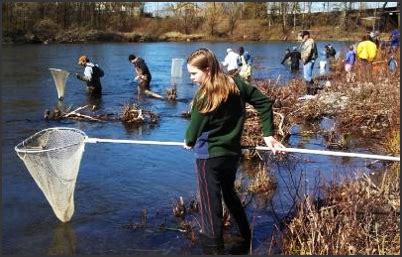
<point>261,148</point>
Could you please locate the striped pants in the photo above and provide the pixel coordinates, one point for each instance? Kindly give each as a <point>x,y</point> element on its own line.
<point>216,177</point>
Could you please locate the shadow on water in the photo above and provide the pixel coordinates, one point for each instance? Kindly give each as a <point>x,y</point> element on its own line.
<point>64,240</point>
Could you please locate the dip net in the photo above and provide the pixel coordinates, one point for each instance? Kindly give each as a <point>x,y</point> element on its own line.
<point>52,157</point>
<point>60,77</point>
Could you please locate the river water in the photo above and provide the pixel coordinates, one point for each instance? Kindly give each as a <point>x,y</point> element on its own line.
<point>117,182</point>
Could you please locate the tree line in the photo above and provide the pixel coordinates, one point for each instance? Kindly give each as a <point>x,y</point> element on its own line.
<point>97,15</point>
<point>188,17</point>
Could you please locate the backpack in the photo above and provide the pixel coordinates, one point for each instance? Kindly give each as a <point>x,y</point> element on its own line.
<point>314,55</point>
<point>97,71</point>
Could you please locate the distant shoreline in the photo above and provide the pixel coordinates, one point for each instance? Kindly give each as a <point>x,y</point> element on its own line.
<point>97,36</point>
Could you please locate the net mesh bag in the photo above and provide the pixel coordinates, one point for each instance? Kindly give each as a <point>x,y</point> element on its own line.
<point>60,77</point>
<point>52,157</point>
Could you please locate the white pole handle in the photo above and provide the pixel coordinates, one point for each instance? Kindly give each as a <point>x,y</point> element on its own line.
<point>263,148</point>
<point>123,141</point>
<point>334,153</point>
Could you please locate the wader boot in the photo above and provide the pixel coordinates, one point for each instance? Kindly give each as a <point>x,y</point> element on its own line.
<point>311,89</point>
<point>211,246</point>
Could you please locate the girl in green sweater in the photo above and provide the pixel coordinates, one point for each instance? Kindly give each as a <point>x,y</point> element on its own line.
<point>214,134</point>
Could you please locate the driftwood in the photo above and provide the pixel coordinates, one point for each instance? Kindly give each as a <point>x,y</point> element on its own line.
<point>152,94</point>
<point>130,114</point>
<point>75,113</point>
<point>57,114</point>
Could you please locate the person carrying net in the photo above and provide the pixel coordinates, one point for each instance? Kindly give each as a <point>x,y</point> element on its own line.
<point>92,75</point>
<point>214,134</point>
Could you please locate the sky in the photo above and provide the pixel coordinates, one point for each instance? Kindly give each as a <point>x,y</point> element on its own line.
<point>317,6</point>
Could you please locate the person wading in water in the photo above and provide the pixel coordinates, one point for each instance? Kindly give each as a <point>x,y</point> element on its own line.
<point>217,119</point>
<point>143,76</point>
<point>92,75</point>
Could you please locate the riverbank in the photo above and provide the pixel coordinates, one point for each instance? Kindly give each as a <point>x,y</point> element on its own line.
<point>361,215</point>
<point>248,30</point>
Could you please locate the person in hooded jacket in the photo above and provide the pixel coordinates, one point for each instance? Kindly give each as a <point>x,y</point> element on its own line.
<point>92,75</point>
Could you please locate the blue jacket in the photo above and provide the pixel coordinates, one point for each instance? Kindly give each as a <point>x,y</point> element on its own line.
<point>350,57</point>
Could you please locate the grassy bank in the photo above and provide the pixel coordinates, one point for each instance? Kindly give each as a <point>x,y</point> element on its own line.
<point>361,215</point>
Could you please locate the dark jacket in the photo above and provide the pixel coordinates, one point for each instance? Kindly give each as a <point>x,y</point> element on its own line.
<point>294,56</point>
<point>218,133</point>
<point>330,52</point>
<point>142,69</point>
<point>92,79</point>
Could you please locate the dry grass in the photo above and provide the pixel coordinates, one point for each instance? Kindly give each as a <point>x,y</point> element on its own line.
<point>368,108</point>
<point>261,182</point>
<point>357,217</point>
<point>360,216</point>
<point>286,105</point>
<point>361,108</point>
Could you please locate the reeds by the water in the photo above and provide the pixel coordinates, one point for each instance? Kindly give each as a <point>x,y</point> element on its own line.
<point>360,216</point>
<point>368,108</point>
<point>357,217</point>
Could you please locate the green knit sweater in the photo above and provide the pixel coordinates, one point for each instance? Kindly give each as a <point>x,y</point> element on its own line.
<point>218,133</point>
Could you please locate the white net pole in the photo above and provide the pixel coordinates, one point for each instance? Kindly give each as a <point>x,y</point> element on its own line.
<point>261,148</point>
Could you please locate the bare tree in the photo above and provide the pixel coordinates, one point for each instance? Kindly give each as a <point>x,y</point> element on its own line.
<point>233,10</point>
<point>255,10</point>
<point>186,15</point>
<point>212,12</point>
<point>343,7</point>
<point>295,11</point>
<point>284,14</point>
<point>273,11</point>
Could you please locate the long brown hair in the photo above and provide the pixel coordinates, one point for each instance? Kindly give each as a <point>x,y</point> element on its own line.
<point>217,86</point>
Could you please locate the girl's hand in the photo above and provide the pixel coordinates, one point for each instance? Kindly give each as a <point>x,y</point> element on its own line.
<point>187,146</point>
<point>273,144</point>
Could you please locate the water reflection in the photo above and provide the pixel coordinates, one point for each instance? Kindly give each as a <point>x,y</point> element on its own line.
<point>133,128</point>
<point>64,240</point>
<point>95,102</point>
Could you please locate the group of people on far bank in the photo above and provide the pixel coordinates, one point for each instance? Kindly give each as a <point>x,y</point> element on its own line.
<point>364,52</point>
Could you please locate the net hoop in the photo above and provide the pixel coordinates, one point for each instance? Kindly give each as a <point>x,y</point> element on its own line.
<point>22,147</point>
<point>52,156</point>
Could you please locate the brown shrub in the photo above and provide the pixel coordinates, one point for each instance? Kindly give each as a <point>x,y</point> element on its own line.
<point>357,217</point>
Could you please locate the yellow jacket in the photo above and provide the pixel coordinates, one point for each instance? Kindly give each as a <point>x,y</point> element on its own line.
<point>366,50</point>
